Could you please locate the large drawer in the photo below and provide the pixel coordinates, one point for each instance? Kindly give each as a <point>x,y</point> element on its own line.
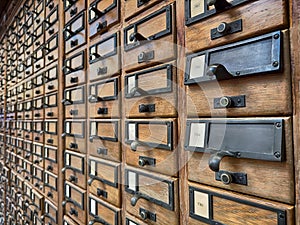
<point>227,153</point>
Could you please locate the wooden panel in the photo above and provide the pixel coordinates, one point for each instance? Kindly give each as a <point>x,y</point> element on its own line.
<point>133,8</point>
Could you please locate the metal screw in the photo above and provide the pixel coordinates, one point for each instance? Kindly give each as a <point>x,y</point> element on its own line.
<point>275,63</point>
<point>277,154</point>
<point>276,36</point>
<point>277,125</point>
<point>237,73</point>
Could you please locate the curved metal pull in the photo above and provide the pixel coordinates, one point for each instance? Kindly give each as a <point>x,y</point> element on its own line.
<point>135,144</point>
<point>135,90</point>
<point>67,102</point>
<point>94,99</point>
<point>45,216</point>
<point>137,37</point>
<point>67,201</point>
<point>215,159</point>
<point>96,56</point>
<point>219,4</point>
<point>97,11</point>
<point>135,199</point>
<point>90,181</point>
<point>219,71</point>
<point>98,220</point>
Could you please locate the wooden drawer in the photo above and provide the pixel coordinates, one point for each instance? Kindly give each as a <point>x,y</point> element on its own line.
<point>104,99</point>
<point>20,92</point>
<point>27,189</point>
<point>75,202</point>
<point>50,6</point>
<point>38,56</point>
<point>74,168</point>
<point>103,15</point>
<point>38,131</point>
<point>28,89</point>
<point>75,32</point>
<point>231,155</point>
<point>28,147</point>
<point>236,23</point>
<point>28,45</point>
<point>38,106</point>
<point>104,56</point>
<point>74,101</point>
<point>38,37</point>
<point>51,80</point>
<point>72,8</point>
<point>26,169</point>
<point>74,133</point>
<point>50,157</point>
<point>152,144</point>
<point>50,129</point>
<point>211,205</point>
<point>133,7</point>
<point>262,88</point>
<point>52,20</point>
<point>37,154</point>
<point>51,106</point>
<point>150,39</point>
<point>27,127</point>
<point>51,49</point>
<point>104,180</point>
<point>74,69</point>
<point>51,213</point>
<point>39,13</point>
<point>101,212</point>
<point>104,139</point>
<point>38,177</point>
<point>37,202</point>
<point>150,195</point>
<point>143,98</point>
<point>51,186</point>
<point>131,220</point>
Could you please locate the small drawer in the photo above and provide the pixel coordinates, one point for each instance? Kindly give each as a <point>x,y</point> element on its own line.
<point>143,200</point>
<point>104,99</point>
<point>37,202</point>
<point>74,168</point>
<point>51,186</point>
<point>152,145</point>
<point>225,153</point>
<point>74,133</point>
<point>135,7</point>
<point>51,213</point>
<point>150,39</point>
<point>38,37</point>
<point>75,69</point>
<point>50,129</point>
<point>103,15</point>
<point>50,157</point>
<point>104,180</point>
<point>38,131</point>
<point>104,139</point>
<point>28,150</point>
<point>28,86</point>
<point>38,12</point>
<point>101,212</point>
<point>38,177</point>
<point>75,32</point>
<point>75,202</point>
<point>25,170</point>
<point>50,106</point>
<point>38,59</point>
<point>51,49</point>
<point>51,21</point>
<point>38,106</point>
<point>143,98</point>
<point>28,130</point>
<point>72,8</point>
<point>37,154</point>
<point>51,79</point>
<point>74,101</point>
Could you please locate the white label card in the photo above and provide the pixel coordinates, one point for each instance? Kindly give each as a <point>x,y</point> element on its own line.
<point>67,191</point>
<point>197,7</point>
<point>197,135</point>
<point>68,160</point>
<point>201,204</point>
<point>93,168</point>
<point>93,205</point>
<point>46,178</point>
<point>132,223</point>
<point>93,129</point>
<point>197,67</point>
<point>131,83</point>
<point>132,182</point>
<point>68,127</point>
<point>131,131</point>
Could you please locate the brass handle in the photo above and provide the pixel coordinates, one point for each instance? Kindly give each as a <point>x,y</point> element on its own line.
<point>215,159</point>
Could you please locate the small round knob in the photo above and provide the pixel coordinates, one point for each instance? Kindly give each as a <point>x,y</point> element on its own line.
<point>141,56</point>
<point>223,27</point>
<point>225,101</point>
<point>226,178</point>
<point>144,215</point>
<point>142,162</point>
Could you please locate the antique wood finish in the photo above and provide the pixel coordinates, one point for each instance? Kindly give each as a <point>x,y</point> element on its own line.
<point>75,137</point>
<point>231,208</point>
<point>278,188</point>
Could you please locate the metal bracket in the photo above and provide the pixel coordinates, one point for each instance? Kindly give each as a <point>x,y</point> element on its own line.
<point>143,161</point>
<point>146,108</point>
<point>73,145</point>
<point>101,193</point>
<point>227,177</point>
<point>102,111</point>
<point>102,71</point>
<point>230,102</point>
<point>226,28</point>
<point>74,43</point>
<point>102,151</point>
<point>141,2</point>
<point>74,112</point>
<point>145,214</point>
<point>145,56</point>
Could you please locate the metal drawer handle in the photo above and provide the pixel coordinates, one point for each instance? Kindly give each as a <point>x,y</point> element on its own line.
<point>96,11</point>
<point>137,37</point>
<point>98,220</point>
<point>219,4</point>
<point>137,143</point>
<point>219,71</point>
<point>135,90</point>
<point>215,159</point>
<point>135,199</point>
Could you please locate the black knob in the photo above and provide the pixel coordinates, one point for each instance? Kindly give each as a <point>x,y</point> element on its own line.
<point>144,215</point>
<point>223,28</point>
<point>225,102</point>
<point>50,113</point>
<point>226,178</point>
<point>50,168</point>
<point>143,162</point>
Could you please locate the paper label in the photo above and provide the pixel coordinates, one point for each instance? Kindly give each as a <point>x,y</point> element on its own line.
<point>67,191</point>
<point>201,204</point>
<point>93,205</point>
<point>132,182</point>
<point>93,168</point>
<point>68,127</point>
<point>131,83</point>
<point>197,135</point>
<point>93,128</point>
<point>68,160</point>
<point>131,131</point>
<point>197,67</point>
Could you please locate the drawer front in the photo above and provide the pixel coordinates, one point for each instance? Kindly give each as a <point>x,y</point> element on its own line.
<point>75,32</point>
<point>104,57</point>
<point>38,131</point>
<point>143,98</point>
<point>143,198</point>
<point>74,101</point>
<point>150,39</point>
<point>38,56</point>
<point>50,129</point>
<point>104,99</point>
<point>26,169</point>
<point>267,93</point>
<point>51,80</point>
<point>103,15</point>
<point>72,8</point>
<point>104,180</point>
<point>234,24</point>
<point>38,177</point>
<point>74,133</point>
<point>74,69</point>
<point>134,7</point>
<point>39,13</point>
<point>38,37</point>
<point>74,168</point>
<point>51,186</point>
<point>51,22</point>
<point>37,154</point>
<point>38,202</point>
<point>75,202</point>
<point>28,147</point>
<point>209,205</point>
<point>104,139</point>
<point>38,106</point>
<point>51,213</point>
<point>131,220</point>
<point>152,145</point>
<point>51,49</point>
<point>50,105</point>
<point>50,6</point>
<point>230,153</point>
<point>50,156</point>
<point>37,85</point>
<point>101,212</point>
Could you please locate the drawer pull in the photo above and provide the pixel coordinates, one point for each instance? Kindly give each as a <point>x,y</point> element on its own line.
<point>145,56</point>
<point>101,111</point>
<point>73,145</point>
<point>73,11</point>
<point>137,37</point>
<point>73,179</point>
<point>102,151</point>
<point>73,212</point>
<point>219,71</point>
<point>135,90</point>
<point>146,108</point>
<point>135,198</point>
<point>37,115</point>
<point>51,5</point>
<point>38,66</point>
<point>49,195</point>
<point>69,31</point>
<point>50,168</point>
<point>101,193</point>
<point>135,144</point>
<point>74,80</point>
<point>225,29</point>
<point>102,71</point>
<point>143,161</point>
<point>94,98</point>
<point>38,20</point>
<point>37,138</point>
<point>96,11</point>
<point>98,220</point>
<point>101,26</point>
<point>74,43</point>
<point>227,177</point>
<point>50,57</point>
<point>73,112</point>
<point>37,92</point>
<point>215,159</point>
<point>37,161</point>
<point>51,31</point>
<point>67,102</point>
<point>219,4</point>
<point>37,43</point>
<point>145,214</point>
<point>50,141</point>
<point>230,102</point>
<point>50,114</point>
